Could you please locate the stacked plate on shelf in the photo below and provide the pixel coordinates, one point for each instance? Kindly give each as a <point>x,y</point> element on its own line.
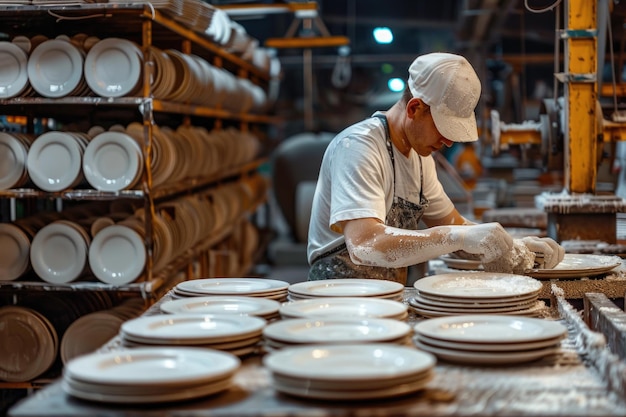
<point>229,304</point>
<point>29,344</point>
<point>350,372</point>
<point>489,339</point>
<point>91,331</point>
<point>346,287</point>
<point>294,332</point>
<point>236,334</point>
<point>344,307</point>
<point>477,293</point>
<point>149,375</point>
<point>251,287</point>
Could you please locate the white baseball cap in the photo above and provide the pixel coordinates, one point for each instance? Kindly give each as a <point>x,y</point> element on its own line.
<point>450,86</point>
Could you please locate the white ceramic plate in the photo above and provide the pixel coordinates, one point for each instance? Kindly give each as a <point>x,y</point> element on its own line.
<point>458,263</point>
<point>117,255</point>
<point>349,362</point>
<point>58,253</point>
<point>112,162</point>
<point>54,161</point>
<point>113,67</point>
<point>487,358</point>
<point>534,311</point>
<point>138,389</point>
<point>193,327</point>
<point>491,347</point>
<point>362,394</point>
<point>232,286</point>
<point>470,302</point>
<point>173,395</point>
<point>578,266</point>
<point>478,284</point>
<point>26,329</point>
<point>336,330</point>
<point>347,287</point>
<point>354,385</point>
<point>343,307</point>
<point>88,333</point>
<point>479,328</point>
<point>15,254</point>
<point>55,68</point>
<point>254,306</point>
<point>156,366</point>
<point>418,302</point>
<point>14,75</point>
<point>13,154</point>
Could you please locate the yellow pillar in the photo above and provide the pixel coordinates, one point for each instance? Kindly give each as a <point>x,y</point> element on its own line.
<point>581,96</point>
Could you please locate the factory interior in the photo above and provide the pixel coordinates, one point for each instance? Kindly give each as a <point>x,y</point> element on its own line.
<point>158,166</point>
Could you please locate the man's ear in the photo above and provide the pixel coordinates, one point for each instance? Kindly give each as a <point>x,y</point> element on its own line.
<point>415,106</point>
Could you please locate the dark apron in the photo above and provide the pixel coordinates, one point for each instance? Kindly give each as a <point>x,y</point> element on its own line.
<point>403,214</point>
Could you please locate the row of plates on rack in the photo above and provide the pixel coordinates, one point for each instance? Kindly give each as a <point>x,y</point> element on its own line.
<point>114,67</point>
<point>111,247</point>
<point>113,160</point>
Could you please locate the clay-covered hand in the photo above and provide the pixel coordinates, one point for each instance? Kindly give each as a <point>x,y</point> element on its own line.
<point>546,248</point>
<point>489,240</point>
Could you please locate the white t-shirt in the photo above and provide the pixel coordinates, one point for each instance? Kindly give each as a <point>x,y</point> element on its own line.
<point>356,180</point>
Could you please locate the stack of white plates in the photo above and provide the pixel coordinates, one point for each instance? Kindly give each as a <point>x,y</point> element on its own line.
<point>254,306</point>
<point>13,155</point>
<point>91,331</point>
<point>344,307</point>
<point>236,334</point>
<point>117,254</point>
<point>251,287</point>
<point>350,372</point>
<point>477,293</point>
<point>54,160</point>
<point>149,375</point>
<point>58,253</point>
<point>15,255</point>
<point>112,161</point>
<point>489,339</point>
<point>29,344</point>
<point>55,68</point>
<point>14,78</point>
<point>295,332</point>
<point>113,67</point>
<point>346,287</point>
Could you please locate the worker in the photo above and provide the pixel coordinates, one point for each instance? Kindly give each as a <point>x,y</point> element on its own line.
<point>378,179</point>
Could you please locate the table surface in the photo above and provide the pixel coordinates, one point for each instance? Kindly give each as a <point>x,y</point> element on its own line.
<point>569,383</point>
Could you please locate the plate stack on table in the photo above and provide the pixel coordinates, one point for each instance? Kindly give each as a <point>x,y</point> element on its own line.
<point>297,332</point>
<point>350,372</point>
<point>253,306</point>
<point>573,265</point>
<point>576,265</point>
<point>344,307</point>
<point>346,287</point>
<point>237,334</point>
<point>477,293</point>
<point>251,287</point>
<point>149,375</point>
<point>489,339</point>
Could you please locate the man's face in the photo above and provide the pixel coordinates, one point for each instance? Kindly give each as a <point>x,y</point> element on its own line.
<point>423,134</point>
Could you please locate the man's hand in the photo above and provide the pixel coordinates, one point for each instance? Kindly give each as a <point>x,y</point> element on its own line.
<point>546,248</point>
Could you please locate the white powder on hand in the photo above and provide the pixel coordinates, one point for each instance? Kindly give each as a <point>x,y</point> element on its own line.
<point>519,260</point>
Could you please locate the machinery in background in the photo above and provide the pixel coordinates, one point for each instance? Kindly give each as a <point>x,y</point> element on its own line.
<point>572,132</point>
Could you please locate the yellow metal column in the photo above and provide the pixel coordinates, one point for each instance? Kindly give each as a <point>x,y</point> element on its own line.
<point>581,96</point>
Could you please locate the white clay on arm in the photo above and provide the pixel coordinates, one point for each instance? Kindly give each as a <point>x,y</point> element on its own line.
<point>370,242</point>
